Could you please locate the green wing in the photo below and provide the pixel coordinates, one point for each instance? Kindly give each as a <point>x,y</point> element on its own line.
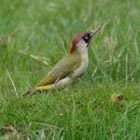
<point>61,69</point>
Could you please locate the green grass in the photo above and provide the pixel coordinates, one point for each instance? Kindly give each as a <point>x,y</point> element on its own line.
<point>85,110</point>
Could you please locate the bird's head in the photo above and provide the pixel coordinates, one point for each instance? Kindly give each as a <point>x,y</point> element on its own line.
<point>82,40</point>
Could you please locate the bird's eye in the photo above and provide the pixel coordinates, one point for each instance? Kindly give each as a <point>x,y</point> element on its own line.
<point>86,38</point>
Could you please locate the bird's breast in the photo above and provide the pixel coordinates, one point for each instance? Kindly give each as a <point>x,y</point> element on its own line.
<point>83,66</point>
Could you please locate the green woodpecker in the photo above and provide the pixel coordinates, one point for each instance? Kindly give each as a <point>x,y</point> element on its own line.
<point>70,67</point>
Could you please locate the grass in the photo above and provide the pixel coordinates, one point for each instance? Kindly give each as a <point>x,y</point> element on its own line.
<point>34,35</point>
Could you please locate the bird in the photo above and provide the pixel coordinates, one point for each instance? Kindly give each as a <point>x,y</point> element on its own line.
<point>70,67</point>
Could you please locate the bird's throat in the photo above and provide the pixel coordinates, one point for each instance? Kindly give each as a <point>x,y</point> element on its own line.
<point>83,66</point>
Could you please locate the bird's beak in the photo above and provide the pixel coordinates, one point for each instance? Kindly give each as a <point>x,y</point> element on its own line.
<point>93,32</point>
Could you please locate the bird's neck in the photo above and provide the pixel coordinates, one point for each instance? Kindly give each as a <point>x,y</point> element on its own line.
<point>83,64</point>
<point>83,55</point>
<point>84,58</point>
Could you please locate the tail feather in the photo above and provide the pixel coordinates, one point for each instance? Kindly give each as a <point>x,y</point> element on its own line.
<point>38,89</point>
<point>30,92</point>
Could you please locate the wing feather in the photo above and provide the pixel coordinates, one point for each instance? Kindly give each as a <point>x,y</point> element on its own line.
<point>61,69</point>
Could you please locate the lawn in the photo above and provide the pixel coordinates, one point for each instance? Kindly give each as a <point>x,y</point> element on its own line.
<point>34,35</point>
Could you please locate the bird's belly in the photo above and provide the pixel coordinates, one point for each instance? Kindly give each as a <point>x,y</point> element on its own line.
<point>63,83</point>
